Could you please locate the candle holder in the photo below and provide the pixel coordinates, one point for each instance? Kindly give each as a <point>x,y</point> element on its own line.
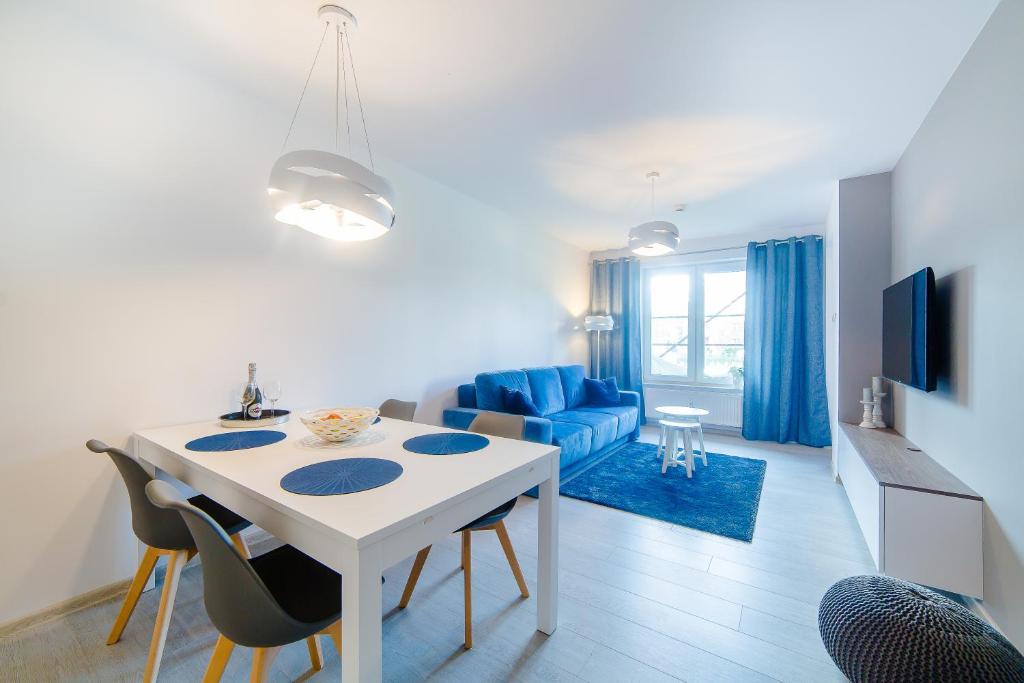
<point>876,416</point>
<point>866,420</point>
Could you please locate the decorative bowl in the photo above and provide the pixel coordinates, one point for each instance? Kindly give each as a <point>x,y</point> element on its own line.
<point>338,424</point>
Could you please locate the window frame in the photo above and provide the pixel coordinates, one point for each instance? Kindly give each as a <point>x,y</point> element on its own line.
<point>696,314</point>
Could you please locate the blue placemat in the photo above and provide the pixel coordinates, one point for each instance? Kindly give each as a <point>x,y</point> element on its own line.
<point>446,444</point>
<point>348,475</point>
<point>236,441</point>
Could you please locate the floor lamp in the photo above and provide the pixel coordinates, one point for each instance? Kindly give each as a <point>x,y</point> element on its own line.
<point>599,324</point>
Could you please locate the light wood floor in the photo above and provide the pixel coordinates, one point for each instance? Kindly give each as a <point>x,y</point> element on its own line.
<point>641,600</point>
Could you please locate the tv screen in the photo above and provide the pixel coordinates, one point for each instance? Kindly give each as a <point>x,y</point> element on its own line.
<point>908,331</point>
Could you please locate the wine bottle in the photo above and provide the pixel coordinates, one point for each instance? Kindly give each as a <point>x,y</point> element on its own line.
<point>252,398</point>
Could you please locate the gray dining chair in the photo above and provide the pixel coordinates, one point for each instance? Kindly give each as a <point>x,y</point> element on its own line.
<point>493,424</point>
<point>165,535</point>
<point>398,410</point>
<point>264,602</point>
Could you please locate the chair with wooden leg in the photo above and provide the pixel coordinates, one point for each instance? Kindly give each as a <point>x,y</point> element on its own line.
<point>265,602</point>
<point>398,410</point>
<point>494,424</point>
<point>165,535</point>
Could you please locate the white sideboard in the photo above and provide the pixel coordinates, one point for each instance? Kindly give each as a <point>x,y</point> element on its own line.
<point>920,522</point>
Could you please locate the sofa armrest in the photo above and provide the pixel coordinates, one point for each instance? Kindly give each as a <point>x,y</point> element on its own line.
<point>538,429</point>
<point>632,398</point>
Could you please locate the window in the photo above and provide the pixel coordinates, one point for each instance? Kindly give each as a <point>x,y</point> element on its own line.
<point>693,323</point>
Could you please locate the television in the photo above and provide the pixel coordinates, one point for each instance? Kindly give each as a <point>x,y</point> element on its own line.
<point>909,331</point>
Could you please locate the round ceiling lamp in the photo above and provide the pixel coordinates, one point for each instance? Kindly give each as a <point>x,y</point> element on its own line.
<point>654,238</point>
<point>326,193</point>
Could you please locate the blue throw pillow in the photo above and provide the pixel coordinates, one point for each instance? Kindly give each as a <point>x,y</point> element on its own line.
<point>602,393</point>
<point>518,403</point>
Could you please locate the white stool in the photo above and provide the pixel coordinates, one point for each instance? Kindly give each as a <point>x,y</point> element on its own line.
<point>669,444</point>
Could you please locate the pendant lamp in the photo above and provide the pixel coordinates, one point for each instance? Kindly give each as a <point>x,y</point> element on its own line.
<point>654,238</point>
<point>326,193</point>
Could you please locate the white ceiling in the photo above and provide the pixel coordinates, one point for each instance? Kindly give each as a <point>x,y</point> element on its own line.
<point>554,110</point>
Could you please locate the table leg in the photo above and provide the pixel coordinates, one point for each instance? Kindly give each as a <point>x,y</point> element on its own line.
<point>688,452</point>
<point>547,552</point>
<point>361,619</point>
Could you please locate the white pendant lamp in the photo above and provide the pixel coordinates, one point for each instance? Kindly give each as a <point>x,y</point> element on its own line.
<point>654,238</point>
<point>324,192</point>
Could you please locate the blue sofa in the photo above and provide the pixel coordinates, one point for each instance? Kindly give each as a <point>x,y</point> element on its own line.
<point>585,433</point>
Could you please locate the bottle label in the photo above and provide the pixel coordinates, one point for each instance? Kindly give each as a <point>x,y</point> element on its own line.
<point>255,410</point>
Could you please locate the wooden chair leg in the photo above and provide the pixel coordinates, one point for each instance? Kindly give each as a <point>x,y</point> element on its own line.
<point>175,561</point>
<point>506,545</point>
<point>221,654</point>
<point>467,588</point>
<point>316,654</point>
<point>241,545</point>
<point>134,591</point>
<point>334,631</point>
<point>414,576</point>
<point>262,659</point>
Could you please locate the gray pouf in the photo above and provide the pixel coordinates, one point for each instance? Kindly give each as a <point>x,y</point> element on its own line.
<point>880,629</point>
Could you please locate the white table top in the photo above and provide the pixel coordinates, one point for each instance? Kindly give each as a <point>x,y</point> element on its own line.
<point>428,482</point>
<point>682,411</point>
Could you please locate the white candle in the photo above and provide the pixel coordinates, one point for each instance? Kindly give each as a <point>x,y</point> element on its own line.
<point>867,395</point>
<point>876,385</point>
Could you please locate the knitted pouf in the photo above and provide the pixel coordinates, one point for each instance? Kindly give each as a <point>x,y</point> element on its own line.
<point>879,629</point>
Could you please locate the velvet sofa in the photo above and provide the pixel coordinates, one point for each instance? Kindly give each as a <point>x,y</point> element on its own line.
<point>585,433</point>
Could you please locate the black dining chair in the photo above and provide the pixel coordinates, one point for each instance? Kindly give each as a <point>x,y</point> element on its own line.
<point>264,602</point>
<point>494,424</point>
<point>165,535</point>
<point>398,410</point>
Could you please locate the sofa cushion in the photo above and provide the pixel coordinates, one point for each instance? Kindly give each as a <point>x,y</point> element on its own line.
<point>489,384</point>
<point>572,385</point>
<point>546,388</point>
<point>604,426</point>
<point>627,416</point>
<point>518,403</point>
<point>574,439</point>
<point>602,392</point>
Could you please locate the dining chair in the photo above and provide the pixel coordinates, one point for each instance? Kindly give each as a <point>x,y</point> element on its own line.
<point>265,602</point>
<point>494,424</point>
<point>398,410</point>
<point>165,535</point>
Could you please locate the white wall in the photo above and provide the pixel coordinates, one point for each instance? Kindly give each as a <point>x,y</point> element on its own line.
<point>831,246</point>
<point>864,255</point>
<point>141,270</point>
<point>956,208</point>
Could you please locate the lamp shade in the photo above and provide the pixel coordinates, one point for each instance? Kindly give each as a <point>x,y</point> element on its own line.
<point>598,323</point>
<point>331,196</point>
<point>655,238</point>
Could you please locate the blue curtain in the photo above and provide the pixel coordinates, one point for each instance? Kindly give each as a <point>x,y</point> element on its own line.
<point>784,396</point>
<point>615,291</point>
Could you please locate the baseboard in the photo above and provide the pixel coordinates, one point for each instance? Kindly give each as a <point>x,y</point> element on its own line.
<point>64,608</point>
<point>978,607</point>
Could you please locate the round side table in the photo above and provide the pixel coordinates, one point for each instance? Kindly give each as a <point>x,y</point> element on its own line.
<point>680,419</point>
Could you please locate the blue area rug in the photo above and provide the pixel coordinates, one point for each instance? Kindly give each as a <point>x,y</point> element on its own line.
<point>721,498</point>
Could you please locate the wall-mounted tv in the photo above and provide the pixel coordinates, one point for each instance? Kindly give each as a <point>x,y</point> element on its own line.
<point>909,331</point>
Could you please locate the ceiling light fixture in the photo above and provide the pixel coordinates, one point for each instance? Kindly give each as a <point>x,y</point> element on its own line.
<point>654,238</point>
<point>324,192</point>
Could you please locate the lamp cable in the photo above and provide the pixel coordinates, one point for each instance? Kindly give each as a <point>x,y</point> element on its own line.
<point>304,86</point>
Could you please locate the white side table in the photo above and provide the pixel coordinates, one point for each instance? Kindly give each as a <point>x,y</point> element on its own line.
<point>681,419</point>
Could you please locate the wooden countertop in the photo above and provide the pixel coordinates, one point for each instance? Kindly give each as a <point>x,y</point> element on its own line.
<point>885,453</point>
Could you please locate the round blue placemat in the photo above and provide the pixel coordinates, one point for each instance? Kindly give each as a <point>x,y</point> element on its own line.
<point>236,441</point>
<point>446,444</point>
<point>348,475</point>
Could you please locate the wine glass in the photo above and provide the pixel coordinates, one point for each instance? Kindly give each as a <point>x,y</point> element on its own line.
<point>247,398</point>
<point>272,390</point>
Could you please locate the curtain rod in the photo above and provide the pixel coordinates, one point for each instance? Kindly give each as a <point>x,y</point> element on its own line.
<point>704,251</point>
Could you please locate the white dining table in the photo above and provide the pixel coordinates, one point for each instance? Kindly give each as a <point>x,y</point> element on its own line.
<point>361,534</point>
